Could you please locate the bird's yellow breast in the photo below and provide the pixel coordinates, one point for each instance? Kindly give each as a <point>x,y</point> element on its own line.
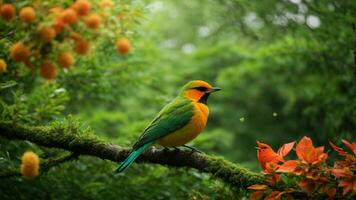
<point>190,131</point>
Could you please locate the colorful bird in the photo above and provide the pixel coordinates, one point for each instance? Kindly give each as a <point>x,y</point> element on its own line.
<point>265,154</point>
<point>177,123</point>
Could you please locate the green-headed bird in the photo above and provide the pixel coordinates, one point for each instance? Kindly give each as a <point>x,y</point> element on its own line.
<point>177,123</point>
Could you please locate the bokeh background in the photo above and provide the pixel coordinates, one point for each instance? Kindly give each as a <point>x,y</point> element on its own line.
<point>286,68</point>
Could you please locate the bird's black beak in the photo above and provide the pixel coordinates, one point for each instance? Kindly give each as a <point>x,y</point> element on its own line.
<point>214,89</point>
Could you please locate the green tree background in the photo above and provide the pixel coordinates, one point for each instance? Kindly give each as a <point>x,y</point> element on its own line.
<point>286,68</point>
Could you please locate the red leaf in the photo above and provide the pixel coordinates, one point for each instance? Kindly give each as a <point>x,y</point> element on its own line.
<point>288,167</point>
<point>256,195</point>
<point>351,146</point>
<point>285,149</point>
<point>338,149</point>
<point>257,187</point>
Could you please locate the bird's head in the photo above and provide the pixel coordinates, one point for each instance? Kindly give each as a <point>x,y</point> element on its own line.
<point>198,91</point>
<point>262,147</point>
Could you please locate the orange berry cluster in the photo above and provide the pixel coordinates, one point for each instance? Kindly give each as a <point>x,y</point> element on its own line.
<point>59,29</point>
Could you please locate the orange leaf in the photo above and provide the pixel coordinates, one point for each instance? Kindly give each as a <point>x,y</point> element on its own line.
<point>256,195</point>
<point>308,153</point>
<point>345,172</point>
<point>288,167</point>
<point>347,185</point>
<point>338,149</point>
<point>285,149</point>
<point>351,146</point>
<point>257,187</point>
<point>304,148</point>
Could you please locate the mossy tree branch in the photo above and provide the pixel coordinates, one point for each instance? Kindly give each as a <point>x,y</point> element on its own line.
<point>69,136</point>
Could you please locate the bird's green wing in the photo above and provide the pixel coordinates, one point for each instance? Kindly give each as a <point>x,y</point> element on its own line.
<point>172,117</point>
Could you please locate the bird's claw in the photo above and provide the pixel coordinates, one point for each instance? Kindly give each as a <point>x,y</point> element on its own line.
<point>192,148</point>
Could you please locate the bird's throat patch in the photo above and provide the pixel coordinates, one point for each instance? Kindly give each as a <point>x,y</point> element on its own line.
<point>204,99</point>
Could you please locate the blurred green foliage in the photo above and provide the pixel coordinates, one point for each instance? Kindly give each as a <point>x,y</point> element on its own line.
<point>286,69</point>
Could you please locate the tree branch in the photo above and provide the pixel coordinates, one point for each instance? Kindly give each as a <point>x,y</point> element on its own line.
<point>45,165</point>
<point>70,136</point>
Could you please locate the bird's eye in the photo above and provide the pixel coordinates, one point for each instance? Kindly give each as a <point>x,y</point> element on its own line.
<point>202,89</point>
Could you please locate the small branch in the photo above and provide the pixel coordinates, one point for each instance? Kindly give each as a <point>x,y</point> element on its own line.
<point>52,162</point>
<point>46,165</point>
<point>83,142</point>
<point>7,34</point>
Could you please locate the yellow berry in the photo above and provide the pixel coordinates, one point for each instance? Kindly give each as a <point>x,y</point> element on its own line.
<point>30,165</point>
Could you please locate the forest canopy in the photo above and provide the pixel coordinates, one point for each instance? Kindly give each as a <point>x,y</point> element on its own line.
<point>80,80</point>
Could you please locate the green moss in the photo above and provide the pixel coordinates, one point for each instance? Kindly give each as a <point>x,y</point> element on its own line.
<point>231,173</point>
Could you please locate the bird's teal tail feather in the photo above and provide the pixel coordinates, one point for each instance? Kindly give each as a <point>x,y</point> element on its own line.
<point>132,157</point>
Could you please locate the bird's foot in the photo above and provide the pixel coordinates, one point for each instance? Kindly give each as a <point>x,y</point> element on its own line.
<point>192,148</point>
<point>175,149</point>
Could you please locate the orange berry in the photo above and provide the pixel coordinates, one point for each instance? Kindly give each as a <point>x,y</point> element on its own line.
<point>106,3</point>
<point>65,59</point>
<point>69,16</point>
<point>58,25</point>
<point>93,21</point>
<point>123,46</point>
<point>19,52</point>
<point>48,34</point>
<point>82,47</point>
<point>82,7</point>
<point>27,14</point>
<point>30,165</point>
<point>7,11</point>
<point>2,66</point>
<point>48,71</point>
